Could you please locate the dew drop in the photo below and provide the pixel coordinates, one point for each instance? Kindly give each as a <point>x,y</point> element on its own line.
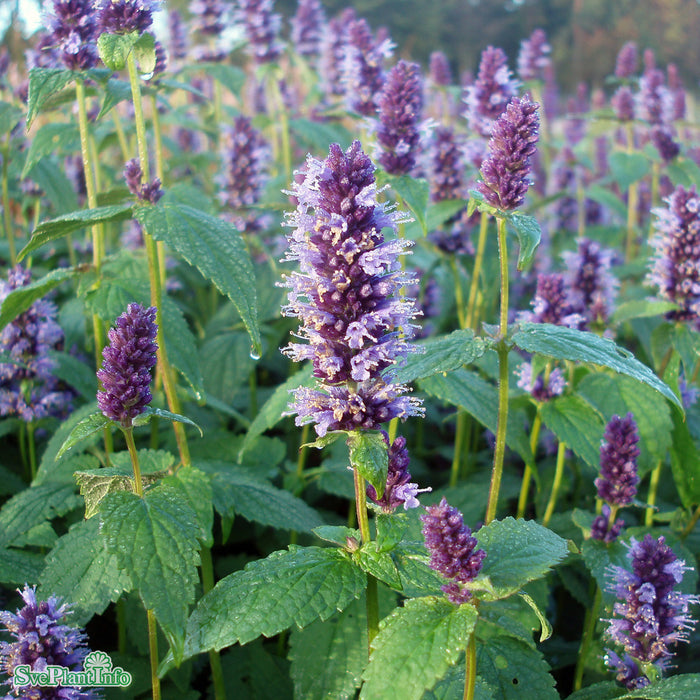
<point>255,353</point>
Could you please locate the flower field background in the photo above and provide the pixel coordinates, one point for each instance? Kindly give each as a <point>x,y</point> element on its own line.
<point>325,374</point>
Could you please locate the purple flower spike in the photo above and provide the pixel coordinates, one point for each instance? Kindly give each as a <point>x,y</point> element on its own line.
<point>42,638</point>
<point>400,106</point>
<point>662,138</point>
<point>551,303</point>
<point>346,294</point>
<point>452,549</point>
<point>440,72</point>
<point>72,33</point>
<point>333,50</point>
<point>655,102</point>
<point>125,16</point>
<point>307,28</point>
<point>536,386</point>
<point>626,63</point>
<point>148,192</point>
<point>507,165</point>
<point>675,268</point>
<point>399,490</point>
<point>178,34</point>
<point>127,364</point>
<point>262,28</point>
<point>208,17</point>
<point>533,58</point>
<point>617,483</point>
<point>602,529</point>
<point>490,94</point>
<point>623,103</point>
<point>650,616</point>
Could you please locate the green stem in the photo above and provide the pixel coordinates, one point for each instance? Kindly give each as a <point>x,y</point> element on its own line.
<point>651,497</point>
<point>121,626</point>
<point>123,145</point>
<point>588,632</point>
<point>23,450</point>
<point>478,261</point>
<point>32,449</point>
<point>459,296</point>
<point>459,443</point>
<point>556,484</point>
<point>9,232</point>
<point>153,652</point>
<point>691,524</point>
<point>527,475</point>
<point>372,594</point>
<point>217,673</point>
<point>503,378</point>
<point>632,202</point>
<point>470,669</point>
<point>131,446</point>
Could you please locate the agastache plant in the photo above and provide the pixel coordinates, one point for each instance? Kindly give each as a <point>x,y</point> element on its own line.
<point>72,33</point>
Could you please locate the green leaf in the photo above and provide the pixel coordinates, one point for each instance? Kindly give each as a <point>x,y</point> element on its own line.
<point>149,412</point>
<point>214,247</point>
<point>479,398</point>
<point>529,233</point>
<point>575,422</point>
<point>238,491</point>
<point>685,463</point>
<point>608,199</point>
<point>18,567</point>
<point>226,365</point>
<point>683,687</point>
<point>114,49</point>
<point>232,78</point>
<point>379,564</point>
<point>67,223</point>
<point>337,534</point>
<point>273,410</point>
<point>81,570</point>
<point>290,587</point>
<point>514,670</point>
<point>517,552</point>
<point>155,538</point>
<point>641,308</point>
<point>145,52</point>
<point>598,557</point>
<point>369,454</point>
<point>86,427</point>
<point>75,372</point>
<point>628,168</point>
<point>415,646</point>
<point>59,189</point>
<point>49,139</point>
<point>442,212</point>
<point>390,530</point>
<point>43,83</point>
<point>9,118</point>
<point>116,91</point>
<point>442,354</point>
<point>316,136</point>
<point>195,487</point>
<point>607,690</point>
<point>414,192</point>
<point>581,346</point>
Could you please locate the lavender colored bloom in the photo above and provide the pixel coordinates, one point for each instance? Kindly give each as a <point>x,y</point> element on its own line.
<point>363,67</point>
<point>534,56</point>
<point>678,95</point>
<point>333,52</point>
<point>346,295</point>
<point>512,144</point>
<point>41,638</point>
<point>662,138</point>
<point>446,165</point>
<point>147,192</point>
<point>28,388</point>
<point>125,16</point>
<point>308,26</point>
<point>602,529</point>
<point>689,393</point>
<point>490,94</point>
<point>127,364</point>
<point>440,73</point>
<point>400,104</point>
<point>626,63</point>
<point>675,267</point>
<point>161,59</point>
<point>654,101</point>
<point>650,616</point>
<point>617,483</point>
<point>262,28</point>
<point>72,33</point>
<point>592,287</point>
<point>551,303</point>
<point>452,549</point>
<point>399,489</point>
<point>536,386</point>
<point>177,33</point>
<point>208,17</point>
<point>623,102</point>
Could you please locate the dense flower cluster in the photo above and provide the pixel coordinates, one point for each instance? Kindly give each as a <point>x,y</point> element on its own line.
<point>308,25</point>
<point>28,388</point>
<point>654,102</point>
<point>127,363</point>
<point>208,17</point>
<point>262,28</point>
<point>147,192</point>
<point>650,616</point>
<point>41,638</point>
<point>452,549</point>
<point>177,33</point>
<point>539,387</point>
<point>439,69</point>
<point>346,295</point>
<point>399,109</point>
<point>534,56</point>
<point>551,303</point>
<point>399,490</point>
<point>627,60</point>
<point>125,16</point>
<point>513,142</point>
<point>72,33</point>
<point>333,50</point>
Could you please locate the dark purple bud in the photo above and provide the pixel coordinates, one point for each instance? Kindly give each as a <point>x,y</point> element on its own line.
<point>440,72</point>
<point>617,483</point>
<point>623,103</point>
<point>262,28</point>
<point>662,138</point>
<point>602,529</point>
<point>551,303</point>
<point>626,63</point>
<point>124,16</point>
<point>147,192</point>
<point>71,33</point>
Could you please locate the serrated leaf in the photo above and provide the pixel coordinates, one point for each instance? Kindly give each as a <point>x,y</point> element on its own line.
<point>529,233</point>
<point>81,570</point>
<point>369,454</point>
<point>390,530</point>
<point>9,117</point>
<point>575,422</point>
<point>514,670</point>
<point>195,486</point>
<point>43,83</point>
<point>59,190</point>
<point>683,687</point>
<point>116,91</point>
<point>114,49</point>
<point>154,539</point>
<point>290,587</point>
<point>214,247</point>
<point>85,428</point>
<point>641,308</point>
<point>67,223</point>
<point>598,557</point>
<point>20,299</point>
<point>517,552</point>
<point>272,411</point>
<point>414,192</point>
<point>338,534</point>
<point>237,491</point>
<point>685,464</point>
<point>379,564</point>
<point>49,139</point>
<point>581,346</point>
<point>443,354</point>
<point>628,168</point>
<point>18,567</point>
<point>438,632</point>
<point>607,690</point>
<point>479,398</point>
<point>149,412</point>
<point>94,486</point>
<point>145,52</point>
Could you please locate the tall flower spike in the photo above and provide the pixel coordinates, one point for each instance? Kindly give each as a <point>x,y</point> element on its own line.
<point>262,28</point>
<point>452,549</point>
<point>440,72</point>
<point>308,26</point>
<point>125,16</point>
<point>41,638</point>
<point>507,166</point>
<point>534,56</point>
<point>551,304</point>
<point>650,617</point>
<point>333,51</point>
<point>346,294</point>
<point>675,266</point>
<point>627,60</point>
<point>72,33</point>
<point>617,483</point>
<point>400,105</point>
<point>127,364</point>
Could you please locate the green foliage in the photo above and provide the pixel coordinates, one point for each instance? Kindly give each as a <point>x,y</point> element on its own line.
<point>529,233</point>
<point>49,139</point>
<point>43,84</point>
<point>683,687</point>
<point>413,192</point>
<point>370,457</point>
<point>628,168</point>
<point>91,424</point>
